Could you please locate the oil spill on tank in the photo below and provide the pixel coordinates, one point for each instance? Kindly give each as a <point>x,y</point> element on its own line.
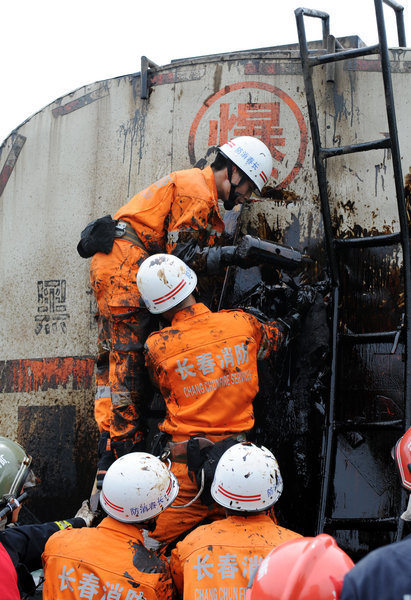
<point>365,485</point>
<point>64,478</point>
<point>407,193</point>
<point>294,385</point>
<point>371,285</point>
<point>370,388</point>
<point>293,382</point>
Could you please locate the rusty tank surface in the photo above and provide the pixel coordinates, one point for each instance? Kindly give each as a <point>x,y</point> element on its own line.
<point>87,153</point>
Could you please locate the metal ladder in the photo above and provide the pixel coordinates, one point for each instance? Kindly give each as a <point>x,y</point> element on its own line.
<point>334,246</point>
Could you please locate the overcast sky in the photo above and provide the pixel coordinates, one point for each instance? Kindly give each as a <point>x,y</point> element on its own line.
<point>50,48</point>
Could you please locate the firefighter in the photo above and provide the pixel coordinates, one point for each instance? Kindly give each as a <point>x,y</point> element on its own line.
<point>21,545</point>
<point>110,560</point>
<point>178,214</point>
<point>217,560</point>
<point>310,568</point>
<point>385,572</point>
<point>205,365</point>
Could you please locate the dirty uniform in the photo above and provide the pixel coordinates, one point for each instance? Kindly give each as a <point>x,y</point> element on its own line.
<point>205,365</point>
<point>384,573</point>
<point>107,561</point>
<point>8,577</point>
<point>178,214</point>
<point>24,545</point>
<point>217,560</point>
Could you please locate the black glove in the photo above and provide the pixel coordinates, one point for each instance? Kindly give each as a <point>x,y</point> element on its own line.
<point>240,256</point>
<point>301,299</point>
<point>305,298</point>
<point>256,312</point>
<point>122,447</point>
<point>290,325</point>
<point>105,457</point>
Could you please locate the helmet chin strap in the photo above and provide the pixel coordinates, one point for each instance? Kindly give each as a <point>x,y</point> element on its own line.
<point>232,198</point>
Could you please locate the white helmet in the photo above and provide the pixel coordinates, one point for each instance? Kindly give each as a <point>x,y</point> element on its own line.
<point>247,478</point>
<point>137,487</point>
<point>250,155</point>
<point>164,281</point>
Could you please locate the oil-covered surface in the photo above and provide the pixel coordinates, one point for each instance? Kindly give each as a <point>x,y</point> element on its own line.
<point>87,153</point>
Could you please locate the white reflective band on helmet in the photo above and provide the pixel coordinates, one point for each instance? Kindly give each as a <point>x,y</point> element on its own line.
<point>247,478</point>
<point>252,156</point>
<point>164,281</point>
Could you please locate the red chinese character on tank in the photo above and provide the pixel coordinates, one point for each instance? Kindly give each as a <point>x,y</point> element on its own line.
<point>272,122</point>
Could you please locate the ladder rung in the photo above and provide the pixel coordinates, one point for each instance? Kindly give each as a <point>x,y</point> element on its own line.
<point>368,338</point>
<point>387,523</point>
<point>351,149</point>
<point>388,239</point>
<point>353,426</point>
<point>343,55</point>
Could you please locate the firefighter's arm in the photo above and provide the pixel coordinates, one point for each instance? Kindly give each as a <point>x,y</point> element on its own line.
<point>176,567</point>
<point>188,232</point>
<point>212,259</point>
<point>25,543</point>
<point>272,334</point>
<point>151,367</point>
<point>249,252</point>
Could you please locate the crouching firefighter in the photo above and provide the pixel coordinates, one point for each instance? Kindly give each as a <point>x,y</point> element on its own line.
<point>205,365</point>
<point>247,483</point>
<point>110,561</point>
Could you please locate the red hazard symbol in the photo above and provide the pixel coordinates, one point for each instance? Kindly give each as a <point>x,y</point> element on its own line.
<point>259,119</point>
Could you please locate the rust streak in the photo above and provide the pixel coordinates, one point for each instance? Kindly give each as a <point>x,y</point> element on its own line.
<point>32,375</point>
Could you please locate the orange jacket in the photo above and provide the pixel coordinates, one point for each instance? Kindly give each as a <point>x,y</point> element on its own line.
<point>205,365</point>
<point>181,201</point>
<point>217,560</point>
<point>107,561</point>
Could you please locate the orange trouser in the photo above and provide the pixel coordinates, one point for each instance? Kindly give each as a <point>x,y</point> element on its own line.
<point>123,387</point>
<point>102,402</point>
<point>173,522</point>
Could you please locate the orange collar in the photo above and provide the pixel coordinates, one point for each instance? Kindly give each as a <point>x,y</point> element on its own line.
<point>130,529</point>
<point>191,311</point>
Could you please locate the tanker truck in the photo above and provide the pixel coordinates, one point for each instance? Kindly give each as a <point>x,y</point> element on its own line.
<point>332,406</point>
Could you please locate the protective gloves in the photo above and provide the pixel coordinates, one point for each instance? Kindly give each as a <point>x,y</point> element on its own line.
<point>242,255</point>
<point>219,257</point>
<point>86,513</point>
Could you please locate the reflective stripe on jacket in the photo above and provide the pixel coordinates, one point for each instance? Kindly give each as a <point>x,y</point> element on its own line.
<point>217,560</point>
<point>109,560</point>
<point>205,365</point>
